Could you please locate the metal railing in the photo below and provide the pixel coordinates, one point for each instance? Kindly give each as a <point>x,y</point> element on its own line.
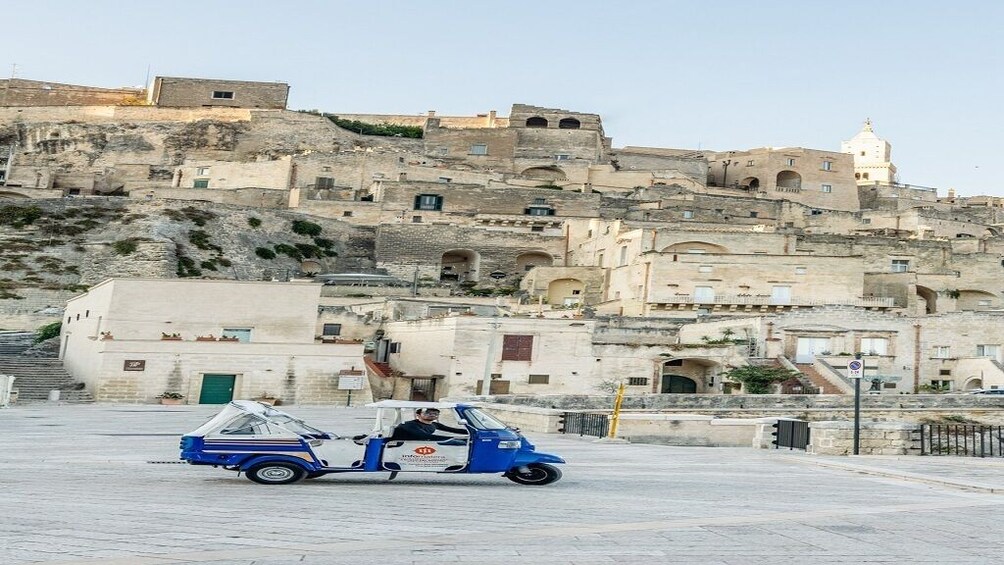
<point>584,424</point>
<point>770,301</point>
<point>962,440</point>
<point>793,434</point>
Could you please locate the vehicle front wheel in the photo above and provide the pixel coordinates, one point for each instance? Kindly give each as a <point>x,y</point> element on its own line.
<point>536,474</point>
<point>276,473</point>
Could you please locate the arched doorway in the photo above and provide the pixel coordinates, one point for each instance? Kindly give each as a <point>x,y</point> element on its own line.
<point>569,123</point>
<point>694,247</point>
<point>973,383</point>
<point>678,384</point>
<point>527,261</point>
<point>459,265</point>
<point>549,174</point>
<point>567,292</point>
<point>536,122</point>
<point>789,179</point>
<point>750,183</point>
<point>929,298</point>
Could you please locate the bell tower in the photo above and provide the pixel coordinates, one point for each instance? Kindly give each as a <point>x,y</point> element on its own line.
<point>872,156</point>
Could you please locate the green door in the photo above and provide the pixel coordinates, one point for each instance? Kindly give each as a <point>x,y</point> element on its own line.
<point>677,384</point>
<point>217,389</point>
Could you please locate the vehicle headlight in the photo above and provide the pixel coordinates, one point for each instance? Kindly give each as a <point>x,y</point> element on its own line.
<point>510,444</point>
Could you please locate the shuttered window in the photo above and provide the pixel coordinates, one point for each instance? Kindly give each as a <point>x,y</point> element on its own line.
<point>517,347</point>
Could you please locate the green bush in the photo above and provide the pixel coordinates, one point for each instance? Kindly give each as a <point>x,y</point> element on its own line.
<point>289,250</point>
<point>186,267</point>
<point>125,246</point>
<point>303,227</point>
<point>389,130</point>
<point>254,222</point>
<point>208,265</point>
<point>48,331</point>
<point>19,216</point>
<point>756,379</point>
<point>325,243</point>
<point>264,253</point>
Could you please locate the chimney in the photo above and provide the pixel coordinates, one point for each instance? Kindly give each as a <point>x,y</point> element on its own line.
<point>951,193</point>
<point>431,113</point>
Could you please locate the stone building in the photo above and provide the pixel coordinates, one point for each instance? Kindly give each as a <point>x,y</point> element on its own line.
<point>872,157</point>
<point>28,93</point>
<point>129,340</point>
<point>180,92</point>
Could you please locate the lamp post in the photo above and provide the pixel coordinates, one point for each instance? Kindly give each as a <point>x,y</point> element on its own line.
<point>855,371</point>
<point>725,171</point>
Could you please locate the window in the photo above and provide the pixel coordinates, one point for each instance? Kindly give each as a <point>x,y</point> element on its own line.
<point>942,352</point>
<point>815,212</point>
<point>874,345</point>
<point>623,257</point>
<point>988,350</point>
<point>562,157</point>
<point>900,265</point>
<point>346,213</point>
<point>790,162</point>
<point>705,269</point>
<point>325,169</point>
<point>945,372</point>
<point>536,228</point>
<point>479,149</point>
<point>332,329</point>
<point>223,95</point>
<point>243,335</point>
<point>539,379</point>
<point>445,180</point>
<point>688,214</point>
<point>827,188</point>
<point>540,211</point>
<point>201,183</point>
<point>324,183</point>
<point>862,153</point>
<point>754,214</point>
<point>780,295</point>
<point>202,171</point>
<point>749,163</point>
<point>428,202</point>
<point>599,259</point>
<point>827,165</point>
<point>517,347</point>
<point>866,220</point>
<point>864,176</point>
<point>416,219</point>
<point>395,347</point>
<point>800,270</point>
<point>637,381</point>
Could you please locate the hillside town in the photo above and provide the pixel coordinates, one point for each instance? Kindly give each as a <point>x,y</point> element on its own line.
<point>197,238</point>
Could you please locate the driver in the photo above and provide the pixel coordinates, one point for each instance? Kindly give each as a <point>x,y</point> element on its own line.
<point>424,427</point>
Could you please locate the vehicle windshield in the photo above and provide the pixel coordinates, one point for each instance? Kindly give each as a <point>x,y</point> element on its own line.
<point>253,424</point>
<point>483,420</point>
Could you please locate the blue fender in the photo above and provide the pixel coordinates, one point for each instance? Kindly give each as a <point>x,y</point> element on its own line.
<point>307,466</point>
<point>527,457</point>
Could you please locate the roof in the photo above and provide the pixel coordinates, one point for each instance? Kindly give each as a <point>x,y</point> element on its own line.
<point>413,404</point>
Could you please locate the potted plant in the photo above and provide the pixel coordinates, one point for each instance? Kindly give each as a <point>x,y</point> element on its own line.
<point>106,336</point>
<point>267,398</point>
<point>171,398</point>
<point>229,338</point>
<point>170,337</point>
<point>205,338</point>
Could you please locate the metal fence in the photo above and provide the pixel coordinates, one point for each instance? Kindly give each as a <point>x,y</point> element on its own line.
<point>584,424</point>
<point>964,440</point>
<point>793,434</point>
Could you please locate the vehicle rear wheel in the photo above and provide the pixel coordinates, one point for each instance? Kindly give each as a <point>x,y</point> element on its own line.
<point>536,474</point>
<point>276,473</point>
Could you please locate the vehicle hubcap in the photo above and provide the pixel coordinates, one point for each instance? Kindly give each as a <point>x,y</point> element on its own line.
<point>276,473</point>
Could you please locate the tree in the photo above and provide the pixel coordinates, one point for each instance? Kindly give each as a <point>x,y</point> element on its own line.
<point>756,379</point>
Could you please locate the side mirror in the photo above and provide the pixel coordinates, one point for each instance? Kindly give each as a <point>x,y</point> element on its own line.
<point>462,422</point>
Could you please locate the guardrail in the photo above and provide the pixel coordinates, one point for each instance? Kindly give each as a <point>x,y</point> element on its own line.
<point>769,301</point>
<point>963,440</point>
<point>793,434</point>
<point>584,424</point>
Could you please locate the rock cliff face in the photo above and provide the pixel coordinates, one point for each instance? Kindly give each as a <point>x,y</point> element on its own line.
<point>50,250</point>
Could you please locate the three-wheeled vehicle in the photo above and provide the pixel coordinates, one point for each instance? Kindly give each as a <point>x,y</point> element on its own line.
<point>272,447</point>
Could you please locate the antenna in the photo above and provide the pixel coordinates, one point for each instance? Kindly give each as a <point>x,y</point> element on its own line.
<point>13,70</point>
<point>146,83</point>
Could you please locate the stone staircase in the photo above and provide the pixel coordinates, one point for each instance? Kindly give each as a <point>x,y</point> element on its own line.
<point>36,376</point>
<point>817,380</point>
<point>14,343</point>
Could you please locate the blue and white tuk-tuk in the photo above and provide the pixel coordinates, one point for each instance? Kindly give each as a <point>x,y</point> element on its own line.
<point>272,447</point>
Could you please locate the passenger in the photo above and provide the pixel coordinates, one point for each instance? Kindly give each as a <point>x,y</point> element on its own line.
<point>424,427</point>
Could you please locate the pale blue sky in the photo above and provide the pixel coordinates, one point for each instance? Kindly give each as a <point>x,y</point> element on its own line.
<point>716,75</point>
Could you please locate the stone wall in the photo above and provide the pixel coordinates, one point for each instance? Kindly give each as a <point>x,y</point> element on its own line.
<point>478,199</point>
<point>182,92</point>
<point>688,429</point>
<point>837,438</point>
<point>22,92</point>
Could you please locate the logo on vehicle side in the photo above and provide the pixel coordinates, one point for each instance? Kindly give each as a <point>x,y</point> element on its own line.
<point>424,450</point>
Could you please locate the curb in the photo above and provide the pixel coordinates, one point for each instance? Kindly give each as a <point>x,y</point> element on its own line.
<point>902,475</point>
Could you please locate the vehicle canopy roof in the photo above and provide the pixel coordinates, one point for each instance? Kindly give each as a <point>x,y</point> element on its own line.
<point>415,404</point>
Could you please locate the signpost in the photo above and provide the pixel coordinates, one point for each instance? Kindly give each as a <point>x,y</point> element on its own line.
<point>855,372</point>
<point>350,383</point>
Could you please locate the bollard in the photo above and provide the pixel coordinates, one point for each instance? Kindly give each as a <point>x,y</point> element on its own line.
<point>53,396</point>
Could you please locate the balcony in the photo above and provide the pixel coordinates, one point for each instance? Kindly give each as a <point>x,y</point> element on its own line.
<point>768,301</point>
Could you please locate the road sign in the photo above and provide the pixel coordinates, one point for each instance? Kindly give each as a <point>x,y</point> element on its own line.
<point>350,383</point>
<point>855,369</point>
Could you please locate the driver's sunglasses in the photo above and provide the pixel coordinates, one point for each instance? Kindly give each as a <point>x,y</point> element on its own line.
<point>433,414</point>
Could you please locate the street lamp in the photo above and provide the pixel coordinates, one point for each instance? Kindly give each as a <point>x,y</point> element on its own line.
<point>725,171</point>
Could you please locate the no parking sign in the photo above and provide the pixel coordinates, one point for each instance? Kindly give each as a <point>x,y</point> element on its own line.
<point>855,369</point>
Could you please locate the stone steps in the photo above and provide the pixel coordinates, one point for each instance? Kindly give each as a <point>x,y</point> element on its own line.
<point>817,380</point>
<point>36,376</point>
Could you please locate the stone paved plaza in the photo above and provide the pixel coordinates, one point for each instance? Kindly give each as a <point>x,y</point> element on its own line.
<point>93,484</point>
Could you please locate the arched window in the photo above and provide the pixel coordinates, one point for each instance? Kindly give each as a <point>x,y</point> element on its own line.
<point>536,122</point>
<point>569,123</point>
<point>789,179</point>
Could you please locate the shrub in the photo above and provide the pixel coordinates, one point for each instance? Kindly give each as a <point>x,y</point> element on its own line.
<point>758,380</point>
<point>325,243</point>
<point>19,216</point>
<point>363,128</point>
<point>48,331</point>
<point>208,265</point>
<point>254,222</point>
<point>303,227</point>
<point>289,250</point>
<point>309,250</point>
<point>186,267</point>
<point>125,246</point>
<point>264,253</point>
